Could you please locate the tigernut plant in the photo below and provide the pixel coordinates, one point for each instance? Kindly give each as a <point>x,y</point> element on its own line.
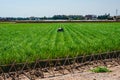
<point>31,41</point>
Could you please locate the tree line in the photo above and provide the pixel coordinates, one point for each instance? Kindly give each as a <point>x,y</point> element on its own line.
<point>61,17</point>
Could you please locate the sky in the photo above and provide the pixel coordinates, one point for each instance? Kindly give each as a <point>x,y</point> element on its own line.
<point>39,8</point>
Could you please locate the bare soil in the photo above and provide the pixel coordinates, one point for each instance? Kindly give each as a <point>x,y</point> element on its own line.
<point>81,73</point>
<point>88,75</point>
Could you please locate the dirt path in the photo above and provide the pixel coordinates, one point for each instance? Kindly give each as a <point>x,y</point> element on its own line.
<point>81,73</point>
<point>88,75</point>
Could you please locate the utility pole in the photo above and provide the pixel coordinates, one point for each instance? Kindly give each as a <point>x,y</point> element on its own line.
<point>116,14</point>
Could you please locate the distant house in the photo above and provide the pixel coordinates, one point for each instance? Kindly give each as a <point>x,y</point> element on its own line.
<point>117,18</point>
<point>90,17</point>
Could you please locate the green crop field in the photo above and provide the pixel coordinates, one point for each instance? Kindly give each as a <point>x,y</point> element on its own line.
<point>30,41</point>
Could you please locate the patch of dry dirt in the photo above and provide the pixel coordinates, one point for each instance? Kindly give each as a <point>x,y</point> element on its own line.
<point>81,73</point>
<point>88,75</point>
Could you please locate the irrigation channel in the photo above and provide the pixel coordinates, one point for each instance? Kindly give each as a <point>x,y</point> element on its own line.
<point>51,68</point>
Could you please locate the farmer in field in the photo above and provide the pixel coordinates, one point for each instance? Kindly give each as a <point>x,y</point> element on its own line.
<point>60,30</point>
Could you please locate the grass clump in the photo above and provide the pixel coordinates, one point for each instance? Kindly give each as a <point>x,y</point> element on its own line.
<point>100,69</point>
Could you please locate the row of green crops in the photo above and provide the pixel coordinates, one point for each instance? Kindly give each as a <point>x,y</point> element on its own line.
<point>29,41</point>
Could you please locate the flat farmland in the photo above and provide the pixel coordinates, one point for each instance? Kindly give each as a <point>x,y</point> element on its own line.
<point>30,41</point>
